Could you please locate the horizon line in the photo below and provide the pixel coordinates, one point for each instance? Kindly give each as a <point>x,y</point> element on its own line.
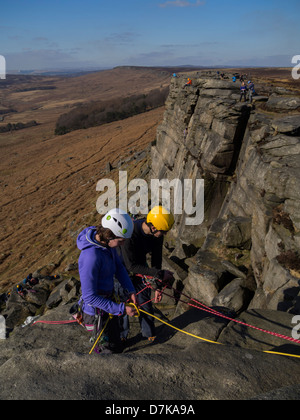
<point>96,69</point>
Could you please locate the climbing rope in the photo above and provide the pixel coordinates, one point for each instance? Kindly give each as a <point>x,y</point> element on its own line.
<point>201,338</point>
<point>99,336</point>
<point>214,312</point>
<point>172,326</point>
<point>201,307</point>
<point>138,312</point>
<point>54,322</point>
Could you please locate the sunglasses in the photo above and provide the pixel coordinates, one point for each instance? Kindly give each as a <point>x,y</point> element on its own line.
<point>163,232</point>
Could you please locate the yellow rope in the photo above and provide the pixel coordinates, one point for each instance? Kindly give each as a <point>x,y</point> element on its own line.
<point>99,336</point>
<point>282,354</point>
<point>136,308</point>
<point>184,332</point>
<point>201,338</point>
<point>139,310</point>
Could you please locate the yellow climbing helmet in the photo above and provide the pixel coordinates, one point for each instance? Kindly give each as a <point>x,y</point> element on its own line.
<point>160,218</point>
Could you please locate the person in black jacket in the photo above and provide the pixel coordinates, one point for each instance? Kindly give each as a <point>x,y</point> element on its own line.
<point>147,238</point>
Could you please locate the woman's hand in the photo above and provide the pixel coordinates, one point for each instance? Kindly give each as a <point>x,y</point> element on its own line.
<point>130,310</point>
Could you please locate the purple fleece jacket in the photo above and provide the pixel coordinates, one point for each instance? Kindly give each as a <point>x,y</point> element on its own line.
<point>97,267</point>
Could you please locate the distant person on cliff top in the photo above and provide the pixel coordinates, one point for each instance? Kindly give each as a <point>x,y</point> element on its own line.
<point>251,90</point>
<point>98,264</point>
<point>243,91</point>
<point>188,83</point>
<point>148,238</point>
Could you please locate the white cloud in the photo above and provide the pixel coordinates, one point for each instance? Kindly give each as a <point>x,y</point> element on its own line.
<point>182,3</point>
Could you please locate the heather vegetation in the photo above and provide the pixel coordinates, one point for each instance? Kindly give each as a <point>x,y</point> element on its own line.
<point>96,113</point>
<point>18,126</point>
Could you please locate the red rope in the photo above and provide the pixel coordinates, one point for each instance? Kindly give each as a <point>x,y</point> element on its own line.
<point>54,322</point>
<point>202,307</point>
<point>214,312</point>
<point>148,286</point>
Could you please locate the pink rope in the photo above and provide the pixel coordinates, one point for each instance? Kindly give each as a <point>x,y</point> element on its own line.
<point>213,312</point>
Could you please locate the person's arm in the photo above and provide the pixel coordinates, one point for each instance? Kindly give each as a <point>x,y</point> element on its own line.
<point>130,256</point>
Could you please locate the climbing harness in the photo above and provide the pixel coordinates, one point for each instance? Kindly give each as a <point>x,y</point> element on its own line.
<point>107,321</point>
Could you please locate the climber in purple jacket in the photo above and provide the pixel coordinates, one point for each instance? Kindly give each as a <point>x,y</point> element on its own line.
<point>98,264</point>
<point>243,91</point>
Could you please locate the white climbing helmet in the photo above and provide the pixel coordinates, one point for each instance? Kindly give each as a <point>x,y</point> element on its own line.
<point>119,222</point>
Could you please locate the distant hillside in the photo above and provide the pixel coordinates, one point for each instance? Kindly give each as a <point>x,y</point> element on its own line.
<point>45,98</point>
<point>102,112</point>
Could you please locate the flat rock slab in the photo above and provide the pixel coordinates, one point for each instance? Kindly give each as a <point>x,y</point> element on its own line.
<point>273,321</point>
<point>283,103</point>
<point>287,125</point>
<point>50,362</point>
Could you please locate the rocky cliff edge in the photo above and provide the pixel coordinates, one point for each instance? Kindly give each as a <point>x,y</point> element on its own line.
<point>243,261</point>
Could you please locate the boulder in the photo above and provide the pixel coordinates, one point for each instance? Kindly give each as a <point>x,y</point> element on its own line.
<point>280,289</point>
<point>237,232</point>
<point>37,295</point>
<point>208,275</point>
<point>233,296</point>
<point>16,314</point>
<point>283,103</point>
<point>65,292</point>
<point>287,125</point>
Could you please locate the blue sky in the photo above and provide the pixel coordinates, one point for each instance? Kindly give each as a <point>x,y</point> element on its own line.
<point>58,34</point>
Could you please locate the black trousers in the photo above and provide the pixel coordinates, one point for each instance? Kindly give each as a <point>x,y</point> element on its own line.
<point>111,335</point>
<point>143,296</point>
<point>243,94</point>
